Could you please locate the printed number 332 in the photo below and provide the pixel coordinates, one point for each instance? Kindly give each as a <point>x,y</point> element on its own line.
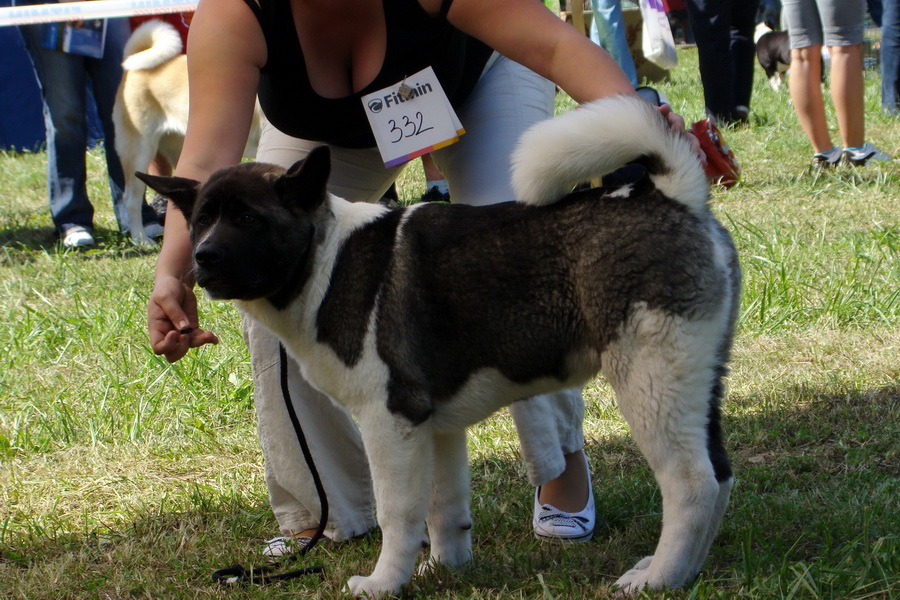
<point>409,128</point>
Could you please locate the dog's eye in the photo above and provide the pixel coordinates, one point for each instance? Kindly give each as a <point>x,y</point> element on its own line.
<point>204,220</point>
<point>247,219</point>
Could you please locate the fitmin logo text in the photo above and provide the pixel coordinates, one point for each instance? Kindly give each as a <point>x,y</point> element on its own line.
<point>376,105</point>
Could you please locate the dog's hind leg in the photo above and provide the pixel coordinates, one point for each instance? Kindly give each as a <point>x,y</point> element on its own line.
<point>663,369</point>
<point>449,521</point>
<point>721,467</point>
<point>133,196</point>
<point>401,459</point>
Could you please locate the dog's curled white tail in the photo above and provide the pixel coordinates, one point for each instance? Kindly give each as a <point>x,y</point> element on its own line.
<point>598,138</point>
<point>150,45</point>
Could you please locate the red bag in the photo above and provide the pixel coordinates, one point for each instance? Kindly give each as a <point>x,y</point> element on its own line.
<point>721,165</point>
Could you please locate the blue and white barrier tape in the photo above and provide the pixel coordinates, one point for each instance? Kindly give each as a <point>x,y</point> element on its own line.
<point>94,9</point>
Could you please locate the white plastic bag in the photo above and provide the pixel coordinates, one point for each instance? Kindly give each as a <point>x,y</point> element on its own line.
<point>657,42</point>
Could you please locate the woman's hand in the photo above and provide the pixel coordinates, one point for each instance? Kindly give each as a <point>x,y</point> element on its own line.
<point>226,51</point>
<point>172,319</point>
<point>676,123</point>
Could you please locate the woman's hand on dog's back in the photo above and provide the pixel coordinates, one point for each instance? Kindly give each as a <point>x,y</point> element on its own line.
<point>172,319</point>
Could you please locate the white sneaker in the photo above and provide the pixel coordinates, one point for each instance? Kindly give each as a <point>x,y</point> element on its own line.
<point>282,546</point>
<point>863,155</point>
<point>550,523</point>
<point>827,160</point>
<point>77,237</point>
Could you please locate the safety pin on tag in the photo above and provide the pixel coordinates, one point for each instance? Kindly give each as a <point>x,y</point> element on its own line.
<point>404,91</point>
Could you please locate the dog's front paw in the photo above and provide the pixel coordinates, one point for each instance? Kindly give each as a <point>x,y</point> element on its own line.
<point>370,587</point>
<point>635,579</point>
<point>452,547</point>
<point>432,564</point>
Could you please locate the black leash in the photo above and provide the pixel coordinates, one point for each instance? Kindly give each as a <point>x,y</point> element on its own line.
<point>264,574</point>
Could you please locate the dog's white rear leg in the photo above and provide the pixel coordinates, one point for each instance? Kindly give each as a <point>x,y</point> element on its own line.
<point>702,550</point>
<point>401,458</point>
<point>133,199</point>
<point>449,521</point>
<point>664,373</point>
<point>133,195</point>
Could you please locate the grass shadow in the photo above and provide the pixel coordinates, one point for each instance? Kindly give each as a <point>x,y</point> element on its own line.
<point>817,472</point>
<point>21,244</point>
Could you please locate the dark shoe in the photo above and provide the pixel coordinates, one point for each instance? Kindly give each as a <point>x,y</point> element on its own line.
<point>434,195</point>
<point>827,160</point>
<point>154,231</point>
<point>859,157</point>
<point>159,206</point>
<point>390,198</point>
<point>651,95</point>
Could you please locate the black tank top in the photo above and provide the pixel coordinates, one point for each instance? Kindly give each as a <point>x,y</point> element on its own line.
<point>415,40</point>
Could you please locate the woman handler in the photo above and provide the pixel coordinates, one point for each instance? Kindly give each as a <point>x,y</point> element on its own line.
<point>311,62</point>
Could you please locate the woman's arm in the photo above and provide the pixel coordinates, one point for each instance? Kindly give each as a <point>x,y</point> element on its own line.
<point>528,33</point>
<point>225,52</point>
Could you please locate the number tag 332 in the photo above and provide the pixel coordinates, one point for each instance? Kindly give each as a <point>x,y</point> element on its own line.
<point>411,118</point>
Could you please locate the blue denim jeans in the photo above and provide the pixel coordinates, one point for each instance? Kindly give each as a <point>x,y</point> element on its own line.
<point>608,31</point>
<point>890,56</point>
<point>64,79</point>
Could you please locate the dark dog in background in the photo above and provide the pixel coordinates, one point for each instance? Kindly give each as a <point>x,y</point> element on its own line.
<point>773,51</point>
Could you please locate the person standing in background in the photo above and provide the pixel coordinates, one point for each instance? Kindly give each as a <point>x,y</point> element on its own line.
<point>608,30</point>
<point>890,56</point>
<point>723,32</point>
<point>839,24</point>
<point>64,78</point>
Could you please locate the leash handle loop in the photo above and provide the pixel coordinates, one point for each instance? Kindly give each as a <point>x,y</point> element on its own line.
<point>237,574</point>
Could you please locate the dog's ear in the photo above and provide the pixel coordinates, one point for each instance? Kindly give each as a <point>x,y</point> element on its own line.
<point>180,190</point>
<point>305,182</point>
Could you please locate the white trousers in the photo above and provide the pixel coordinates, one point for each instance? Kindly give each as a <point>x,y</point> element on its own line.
<point>507,99</point>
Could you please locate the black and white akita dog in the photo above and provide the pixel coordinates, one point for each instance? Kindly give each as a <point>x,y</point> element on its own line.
<point>426,319</point>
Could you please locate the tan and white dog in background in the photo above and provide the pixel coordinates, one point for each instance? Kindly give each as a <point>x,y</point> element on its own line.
<point>151,111</point>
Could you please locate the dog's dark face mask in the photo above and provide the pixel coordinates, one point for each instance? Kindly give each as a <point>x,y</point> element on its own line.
<point>251,226</point>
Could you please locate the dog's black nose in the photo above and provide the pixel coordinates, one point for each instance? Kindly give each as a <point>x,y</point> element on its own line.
<point>208,254</point>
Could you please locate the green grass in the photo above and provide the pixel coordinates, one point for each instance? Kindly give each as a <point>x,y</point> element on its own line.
<point>122,476</point>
